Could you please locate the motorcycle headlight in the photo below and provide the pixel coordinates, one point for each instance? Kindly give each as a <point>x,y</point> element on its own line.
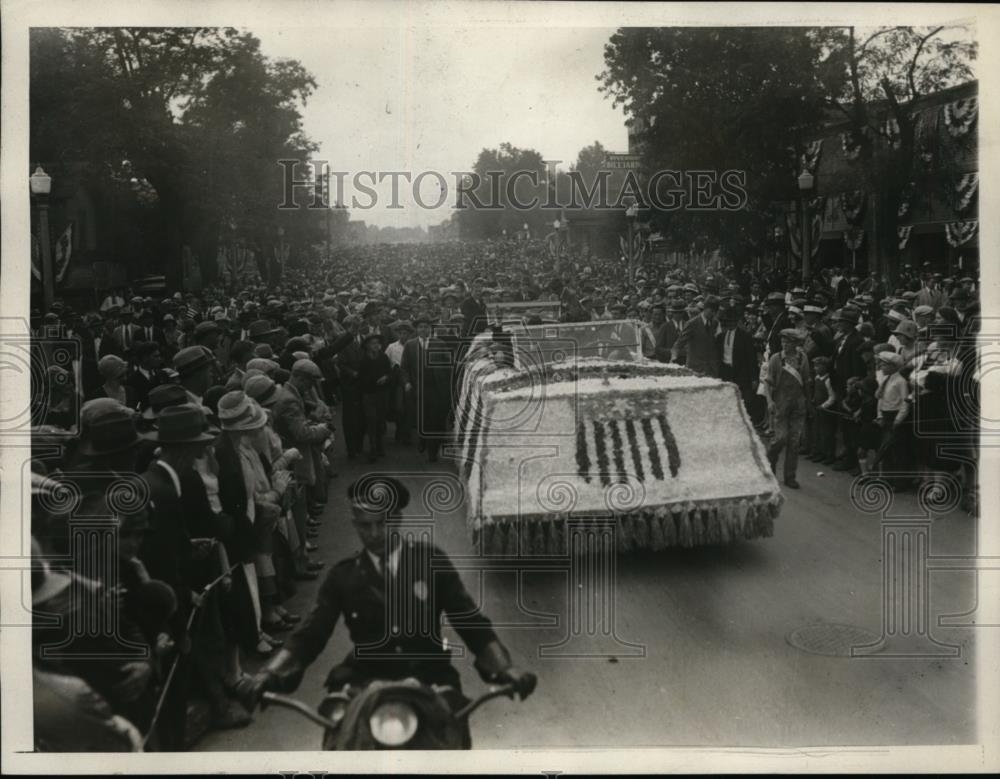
<point>393,723</point>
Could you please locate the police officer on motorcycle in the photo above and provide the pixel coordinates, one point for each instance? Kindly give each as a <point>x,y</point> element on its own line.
<point>391,594</point>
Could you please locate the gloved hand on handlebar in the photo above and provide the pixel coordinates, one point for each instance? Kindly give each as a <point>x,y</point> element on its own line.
<point>523,681</point>
<point>282,674</point>
<point>494,666</point>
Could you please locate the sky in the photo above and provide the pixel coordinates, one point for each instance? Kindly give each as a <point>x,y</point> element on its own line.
<point>431,98</point>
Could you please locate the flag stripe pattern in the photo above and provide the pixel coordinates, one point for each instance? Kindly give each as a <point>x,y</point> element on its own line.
<point>633,448</point>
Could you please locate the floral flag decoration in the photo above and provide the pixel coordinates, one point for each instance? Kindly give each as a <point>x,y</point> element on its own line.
<point>959,233</point>
<point>960,115</point>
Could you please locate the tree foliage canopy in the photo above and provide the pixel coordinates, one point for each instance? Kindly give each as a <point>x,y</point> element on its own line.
<point>200,116</point>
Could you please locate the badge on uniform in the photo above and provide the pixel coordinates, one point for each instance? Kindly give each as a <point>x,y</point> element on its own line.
<point>420,590</point>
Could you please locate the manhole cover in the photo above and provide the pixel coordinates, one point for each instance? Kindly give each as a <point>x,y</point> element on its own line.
<point>830,639</point>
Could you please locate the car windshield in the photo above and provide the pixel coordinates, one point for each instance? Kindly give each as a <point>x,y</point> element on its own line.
<point>569,342</point>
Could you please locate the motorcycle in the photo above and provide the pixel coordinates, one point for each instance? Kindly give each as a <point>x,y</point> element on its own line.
<point>403,714</point>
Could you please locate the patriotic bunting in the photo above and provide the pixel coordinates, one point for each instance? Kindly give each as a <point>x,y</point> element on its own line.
<point>959,233</point>
<point>965,191</point>
<point>960,115</point>
<point>903,233</point>
<point>854,237</point>
<point>853,205</point>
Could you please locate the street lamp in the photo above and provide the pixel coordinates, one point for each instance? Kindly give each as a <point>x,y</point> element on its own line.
<point>806,181</point>
<point>41,185</point>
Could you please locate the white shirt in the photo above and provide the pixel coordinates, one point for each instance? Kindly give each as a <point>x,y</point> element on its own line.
<point>727,348</point>
<point>394,352</point>
<point>172,474</point>
<point>393,560</point>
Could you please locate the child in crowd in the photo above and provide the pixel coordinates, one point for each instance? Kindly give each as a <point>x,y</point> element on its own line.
<point>824,423</point>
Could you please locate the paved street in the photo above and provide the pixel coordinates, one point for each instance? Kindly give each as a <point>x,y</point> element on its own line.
<point>717,669</point>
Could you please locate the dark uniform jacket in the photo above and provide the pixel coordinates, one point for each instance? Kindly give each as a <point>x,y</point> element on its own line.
<point>475,315</point>
<point>394,619</point>
<point>744,370</point>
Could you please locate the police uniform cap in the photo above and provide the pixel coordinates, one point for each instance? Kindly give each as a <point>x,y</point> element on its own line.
<point>378,494</point>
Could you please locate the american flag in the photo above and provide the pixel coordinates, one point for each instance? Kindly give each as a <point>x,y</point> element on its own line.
<point>613,450</point>
<point>63,250</point>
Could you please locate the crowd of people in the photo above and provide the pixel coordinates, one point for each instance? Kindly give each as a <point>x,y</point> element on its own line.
<point>221,406</point>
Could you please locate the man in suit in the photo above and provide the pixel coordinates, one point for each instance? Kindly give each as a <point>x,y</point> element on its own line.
<point>697,339</point>
<point>737,355</point>
<point>170,554</point>
<point>847,363</point>
<point>426,372</point>
<point>127,332</point>
<point>819,337</point>
<point>293,425</point>
<point>146,371</point>
<point>474,309</point>
<point>389,577</point>
<point>107,341</point>
<point>775,320</point>
<point>931,294</point>
<point>350,353</point>
<point>148,331</point>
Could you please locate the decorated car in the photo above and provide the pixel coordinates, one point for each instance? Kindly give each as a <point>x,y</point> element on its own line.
<point>566,421</point>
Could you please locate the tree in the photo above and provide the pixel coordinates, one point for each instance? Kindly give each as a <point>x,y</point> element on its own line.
<point>198,114</point>
<point>888,70</point>
<point>720,99</point>
<point>496,199</point>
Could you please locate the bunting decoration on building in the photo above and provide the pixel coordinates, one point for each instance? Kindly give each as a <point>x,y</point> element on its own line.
<point>62,252</point>
<point>853,205</point>
<point>854,237</point>
<point>890,133</point>
<point>851,141</point>
<point>809,160</point>
<point>903,234</point>
<point>906,200</point>
<point>960,115</point>
<point>237,263</point>
<point>965,192</point>
<point>795,233</point>
<point>959,233</point>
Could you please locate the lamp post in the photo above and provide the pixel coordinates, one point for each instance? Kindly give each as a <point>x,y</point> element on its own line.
<point>806,181</point>
<point>41,185</point>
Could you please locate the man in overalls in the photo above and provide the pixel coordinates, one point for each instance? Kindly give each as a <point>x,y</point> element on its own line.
<point>787,391</point>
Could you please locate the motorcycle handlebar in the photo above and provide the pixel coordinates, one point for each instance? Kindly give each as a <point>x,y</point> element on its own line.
<point>311,714</point>
<point>296,705</point>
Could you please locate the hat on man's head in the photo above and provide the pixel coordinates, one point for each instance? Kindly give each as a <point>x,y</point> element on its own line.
<point>262,389</point>
<point>906,328</point>
<point>923,311</point>
<point>238,413</point>
<point>110,430</point>
<point>775,298</point>
<point>851,315</point>
<point>183,424</point>
<point>162,396</point>
<point>261,328</point>
<point>959,293</point>
<point>375,493</point>
<point>263,364</point>
<point>307,368</point>
<point>402,324</point>
<point>896,316</point>
<point>191,359</point>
